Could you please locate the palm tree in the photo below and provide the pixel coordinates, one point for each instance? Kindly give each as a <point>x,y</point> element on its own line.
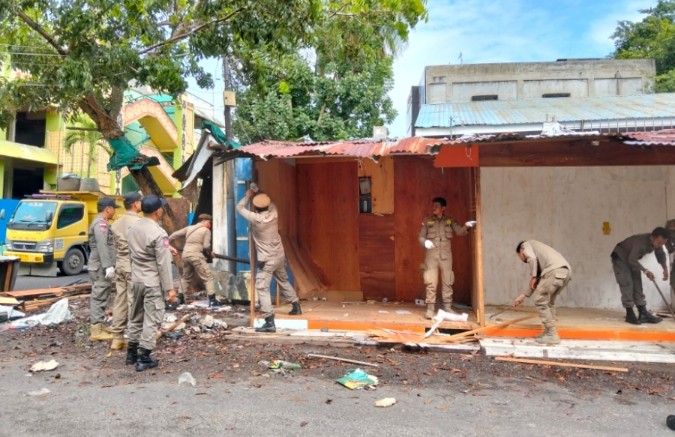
<point>84,131</point>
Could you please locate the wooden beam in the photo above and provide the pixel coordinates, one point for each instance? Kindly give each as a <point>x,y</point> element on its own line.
<point>556,363</point>
<point>478,286</point>
<point>485,328</point>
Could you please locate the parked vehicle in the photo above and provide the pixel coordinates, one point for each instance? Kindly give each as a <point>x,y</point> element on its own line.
<point>49,230</point>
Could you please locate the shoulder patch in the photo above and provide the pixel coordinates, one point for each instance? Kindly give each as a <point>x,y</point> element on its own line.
<point>448,221</point>
<point>165,242</point>
<point>103,225</point>
<point>431,222</point>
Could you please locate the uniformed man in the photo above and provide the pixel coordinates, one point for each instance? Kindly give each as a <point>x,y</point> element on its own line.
<point>549,274</point>
<point>435,235</point>
<point>628,271</point>
<point>151,281</point>
<point>197,243</point>
<point>122,305</point>
<point>270,256</point>
<point>101,267</point>
<point>670,247</point>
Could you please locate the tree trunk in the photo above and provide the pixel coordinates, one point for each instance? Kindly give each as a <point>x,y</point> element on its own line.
<point>148,186</point>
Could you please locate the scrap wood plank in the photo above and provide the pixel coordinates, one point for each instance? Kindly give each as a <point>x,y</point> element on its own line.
<point>39,303</point>
<point>456,337</point>
<point>54,291</point>
<point>556,363</point>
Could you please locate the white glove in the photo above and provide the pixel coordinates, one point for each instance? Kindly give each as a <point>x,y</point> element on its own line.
<point>470,223</point>
<point>428,244</point>
<point>109,272</point>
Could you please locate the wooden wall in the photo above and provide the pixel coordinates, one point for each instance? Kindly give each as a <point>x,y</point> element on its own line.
<point>277,178</point>
<point>417,182</point>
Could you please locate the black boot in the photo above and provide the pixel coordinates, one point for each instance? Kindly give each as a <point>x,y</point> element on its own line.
<point>213,302</point>
<point>631,317</point>
<point>268,326</point>
<point>181,299</point>
<point>646,316</point>
<point>296,311</point>
<point>132,353</point>
<point>145,361</point>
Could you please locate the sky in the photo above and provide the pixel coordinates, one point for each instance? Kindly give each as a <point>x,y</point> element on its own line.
<point>486,31</point>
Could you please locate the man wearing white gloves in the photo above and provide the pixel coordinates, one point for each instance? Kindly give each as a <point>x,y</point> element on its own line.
<point>435,235</point>
<point>101,267</point>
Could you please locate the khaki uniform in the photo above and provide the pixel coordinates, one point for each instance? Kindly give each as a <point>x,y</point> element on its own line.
<point>197,240</point>
<point>271,259</point>
<point>123,298</point>
<point>553,273</point>
<point>150,277</point>
<point>101,257</point>
<point>440,232</point>
<point>628,270</point>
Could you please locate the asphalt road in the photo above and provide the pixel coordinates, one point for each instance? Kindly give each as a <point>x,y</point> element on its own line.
<point>35,282</point>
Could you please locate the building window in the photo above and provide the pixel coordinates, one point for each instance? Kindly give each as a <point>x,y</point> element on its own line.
<point>484,98</point>
<point>551,95</point>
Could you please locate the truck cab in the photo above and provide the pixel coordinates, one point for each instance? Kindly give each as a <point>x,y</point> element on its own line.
<point>49,230</point>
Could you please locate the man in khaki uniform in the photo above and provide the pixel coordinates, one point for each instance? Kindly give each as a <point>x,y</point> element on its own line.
<point>101,267</point>
<point>549,274</point>
<point>628,271</point>
<point>435,235</point>
<point>151,281</point>
<point>132,203</point>
<point>197,241</point>
<point>270,256</point>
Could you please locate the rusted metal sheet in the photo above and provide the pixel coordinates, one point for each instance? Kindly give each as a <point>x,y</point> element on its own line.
<point>665,137</point>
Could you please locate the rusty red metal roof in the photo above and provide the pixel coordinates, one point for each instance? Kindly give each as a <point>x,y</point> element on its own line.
<point>665,137</point>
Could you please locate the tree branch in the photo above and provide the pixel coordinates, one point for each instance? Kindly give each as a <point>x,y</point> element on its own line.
<point>182,36</point>
<point>43,33</point>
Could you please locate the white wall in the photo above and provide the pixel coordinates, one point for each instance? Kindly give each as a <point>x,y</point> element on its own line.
<point>565,207</point>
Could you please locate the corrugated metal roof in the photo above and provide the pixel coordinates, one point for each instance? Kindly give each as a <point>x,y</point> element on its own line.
<point>539,110</point>
<point>665,137</point>
<point>361,148</point>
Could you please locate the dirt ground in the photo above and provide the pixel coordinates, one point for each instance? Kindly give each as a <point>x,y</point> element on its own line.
<point>214,355</point>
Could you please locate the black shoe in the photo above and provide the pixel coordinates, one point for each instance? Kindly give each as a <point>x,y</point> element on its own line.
<point>181,299</point>
<point>213,302</point>
<point>132,353</point>
<point>646,316</point>
<point>145,361</point>
<point>296,311</point>
<point>170,306</point>
<point>631,317</point>
<point>268,326</point>
<point>670,421</point>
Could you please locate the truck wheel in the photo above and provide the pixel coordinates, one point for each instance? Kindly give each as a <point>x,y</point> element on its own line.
<point>72,263</point>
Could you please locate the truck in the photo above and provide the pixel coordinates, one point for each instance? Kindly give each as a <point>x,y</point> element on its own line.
<point>50,230</point>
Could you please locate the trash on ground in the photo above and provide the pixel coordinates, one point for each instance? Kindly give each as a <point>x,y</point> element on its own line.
<point>385,402</point>
<point>280,364</point>
<point>12,314</point>
<point>43,391</point>
<point>169,318</point>
<point>173,335</point>
<point>44,365</point>
<point>187,378</point>
<point>357,379</point>
<point>207,321</point>
<point>58,313</point>
<point>403,312</point>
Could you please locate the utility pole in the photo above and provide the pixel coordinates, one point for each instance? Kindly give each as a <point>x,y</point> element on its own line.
<point>229,103</point>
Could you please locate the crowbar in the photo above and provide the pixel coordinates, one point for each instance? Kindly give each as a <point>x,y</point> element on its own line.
<point>664,299</point>
<point>511,308</point>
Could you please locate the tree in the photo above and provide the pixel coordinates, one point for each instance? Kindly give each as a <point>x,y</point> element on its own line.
<point>84,132</point>
<point>81,55</point>
<point>653,37</point>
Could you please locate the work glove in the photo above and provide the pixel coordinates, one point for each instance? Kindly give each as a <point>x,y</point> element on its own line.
<point>428,244</point>
<point>470,223</point>
<point>109,272</point>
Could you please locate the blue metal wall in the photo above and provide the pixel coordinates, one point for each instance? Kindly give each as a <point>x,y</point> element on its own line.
<point>8,205</point>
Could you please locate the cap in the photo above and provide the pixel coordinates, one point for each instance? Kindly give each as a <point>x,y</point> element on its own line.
<point>131,197</point>
<point>152,203</point>
<point>670,224</point>
<point>261,200</point>
<point>107,201</point>
<point>204,217</point>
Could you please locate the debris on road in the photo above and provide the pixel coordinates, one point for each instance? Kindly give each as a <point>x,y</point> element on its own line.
<point>187,378</point>
<point>561,364</point>
<point>44,365</point>
<point>346,360</point>
<point>43,391</point>
<point>280,364</point>
<point>385,402</point>
<point>357,379</point>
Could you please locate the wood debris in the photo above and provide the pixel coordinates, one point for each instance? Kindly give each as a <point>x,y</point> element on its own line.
<point>32,300</point>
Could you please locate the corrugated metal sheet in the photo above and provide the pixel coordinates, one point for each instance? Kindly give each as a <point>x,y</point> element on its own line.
<point>567,109</point>
<point>665,137</point>
<point>362,148</point>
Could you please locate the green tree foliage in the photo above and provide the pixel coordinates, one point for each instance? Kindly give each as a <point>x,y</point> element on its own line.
<point>81,55</point>
<point>653,37</point>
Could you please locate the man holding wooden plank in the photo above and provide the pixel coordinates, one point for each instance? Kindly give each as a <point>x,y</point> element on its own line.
<point>549,274</point>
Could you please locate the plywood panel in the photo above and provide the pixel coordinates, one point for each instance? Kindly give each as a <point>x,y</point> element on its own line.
<point>376,256</point>
<point>382,183</point>
<point>277,178</point>
<point>416,183</point>
<point>328,225</point>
